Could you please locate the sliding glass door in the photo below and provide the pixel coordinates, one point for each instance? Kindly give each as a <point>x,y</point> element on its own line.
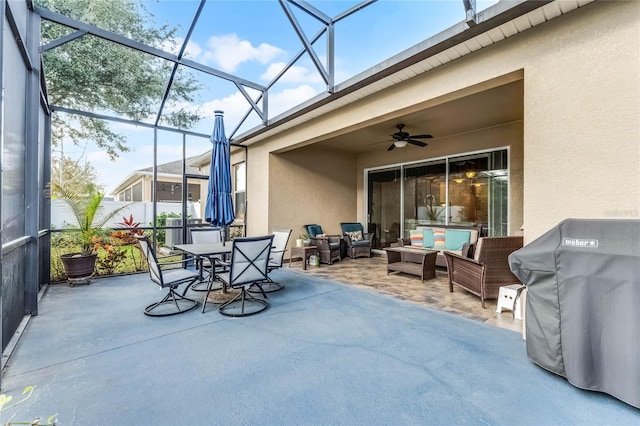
<point>467,190</point>
<point>384,206</point>
<point>425,194</point>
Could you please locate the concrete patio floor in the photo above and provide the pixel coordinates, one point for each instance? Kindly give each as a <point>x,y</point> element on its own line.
<point>371,274</point>
<point>323,353</point>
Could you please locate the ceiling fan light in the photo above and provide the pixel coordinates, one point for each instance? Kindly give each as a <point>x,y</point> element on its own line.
<point>400,144</point>
<point>470,174</point>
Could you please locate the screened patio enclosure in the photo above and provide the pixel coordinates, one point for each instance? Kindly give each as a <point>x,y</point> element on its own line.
<point>313,105</point>
<point>45,41</point>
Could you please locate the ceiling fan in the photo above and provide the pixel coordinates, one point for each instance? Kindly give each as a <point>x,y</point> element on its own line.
<point>401,139</point>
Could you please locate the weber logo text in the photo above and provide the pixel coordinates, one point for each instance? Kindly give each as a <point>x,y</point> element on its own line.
<point>577,242</point>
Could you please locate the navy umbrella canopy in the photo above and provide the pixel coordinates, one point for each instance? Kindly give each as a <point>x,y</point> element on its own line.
<point>219,207</point>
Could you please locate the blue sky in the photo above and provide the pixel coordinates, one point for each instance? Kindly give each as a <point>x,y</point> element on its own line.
<point>254,40</point>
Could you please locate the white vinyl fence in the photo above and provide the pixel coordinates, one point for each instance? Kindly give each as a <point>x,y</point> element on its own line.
<point>62,217</point>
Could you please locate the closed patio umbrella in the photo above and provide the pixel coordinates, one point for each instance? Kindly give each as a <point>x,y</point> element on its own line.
<point>219,207</point>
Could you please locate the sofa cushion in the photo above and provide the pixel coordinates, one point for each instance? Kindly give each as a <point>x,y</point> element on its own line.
<point>416,237</point>
<point>456,238</point>
<point>427,238</point>
<point>355,235</point>
<point>439,242</point>
<point>361,243</point>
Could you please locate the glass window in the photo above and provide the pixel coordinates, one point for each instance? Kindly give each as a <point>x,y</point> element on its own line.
<point>478,191</point>
<point>424,190</point>
<point>240,187</point>
<point>383,198</point>
<point>136,192</point>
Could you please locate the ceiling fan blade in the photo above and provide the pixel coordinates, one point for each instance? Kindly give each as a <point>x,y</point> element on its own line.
<point>422,136</point>
<point>415,142</point>
<point>393,145</point>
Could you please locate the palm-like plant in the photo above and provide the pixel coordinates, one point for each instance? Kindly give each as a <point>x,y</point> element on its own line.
<point>87,212</point>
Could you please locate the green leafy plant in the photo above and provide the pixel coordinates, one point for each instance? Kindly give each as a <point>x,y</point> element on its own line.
<point>86,211</point>
<point>27,392</point>
<point>109,255</point>
<point>161,223</point>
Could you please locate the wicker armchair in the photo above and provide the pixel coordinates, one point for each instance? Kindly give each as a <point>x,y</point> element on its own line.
<point>328,248</point>
<point>356,247</point>
<point>487,271</point>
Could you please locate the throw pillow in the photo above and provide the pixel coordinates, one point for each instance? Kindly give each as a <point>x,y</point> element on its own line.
<point>438,239</point>
<point>427,238</point>
<point>456,238</point>
<point>416,238</point>
<point>355,235</point>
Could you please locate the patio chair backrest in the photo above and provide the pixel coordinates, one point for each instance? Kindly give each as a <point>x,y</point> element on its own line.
<point>207,235</point>
<point>313,230</point>
<point>280,241</point>
<point>351,227</point>
<point>249,260</point>
<point>150,255</point>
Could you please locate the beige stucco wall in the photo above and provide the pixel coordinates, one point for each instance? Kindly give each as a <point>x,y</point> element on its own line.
<point>311,185</point>
<point>581,132</point>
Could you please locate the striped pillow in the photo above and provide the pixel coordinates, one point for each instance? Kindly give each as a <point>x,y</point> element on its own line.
<point>416,238</point>
<point>438,239</point>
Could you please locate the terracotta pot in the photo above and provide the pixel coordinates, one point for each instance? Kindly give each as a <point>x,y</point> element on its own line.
<point>79,267</point>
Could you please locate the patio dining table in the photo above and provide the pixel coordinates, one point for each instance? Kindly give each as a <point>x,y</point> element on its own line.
<point>208,250</point>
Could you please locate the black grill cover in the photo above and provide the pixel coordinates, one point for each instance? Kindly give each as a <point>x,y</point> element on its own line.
<point>583,304</point>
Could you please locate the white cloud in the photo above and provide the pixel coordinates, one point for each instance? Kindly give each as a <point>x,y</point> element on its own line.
<point>295,74</point>
<point>289,98</point>
<point>193,50</point>
<point>173,45</point>
<point>228,51</point>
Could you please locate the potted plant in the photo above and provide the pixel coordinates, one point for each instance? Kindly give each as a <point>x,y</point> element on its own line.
<point>80,266</point>
<point>306,239</point>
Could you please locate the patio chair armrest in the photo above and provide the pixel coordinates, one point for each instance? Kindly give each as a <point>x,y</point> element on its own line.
<point>173,262</point>
<point>458,258</point>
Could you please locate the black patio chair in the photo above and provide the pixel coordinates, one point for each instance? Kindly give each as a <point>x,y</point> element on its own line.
<point>173,303</point>
<point>248,267</point>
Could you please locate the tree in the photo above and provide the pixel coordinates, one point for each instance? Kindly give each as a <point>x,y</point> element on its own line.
<point>73,175</point>
<point>96,75</point>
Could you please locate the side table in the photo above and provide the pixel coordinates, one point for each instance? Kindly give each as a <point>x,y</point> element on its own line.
<point>303,252</point>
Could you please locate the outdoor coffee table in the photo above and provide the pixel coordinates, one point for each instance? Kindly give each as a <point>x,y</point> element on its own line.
<point>415,261</point>
<point>303,252</point>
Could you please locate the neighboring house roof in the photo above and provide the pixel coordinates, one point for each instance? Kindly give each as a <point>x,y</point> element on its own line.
<point>172,169</point>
